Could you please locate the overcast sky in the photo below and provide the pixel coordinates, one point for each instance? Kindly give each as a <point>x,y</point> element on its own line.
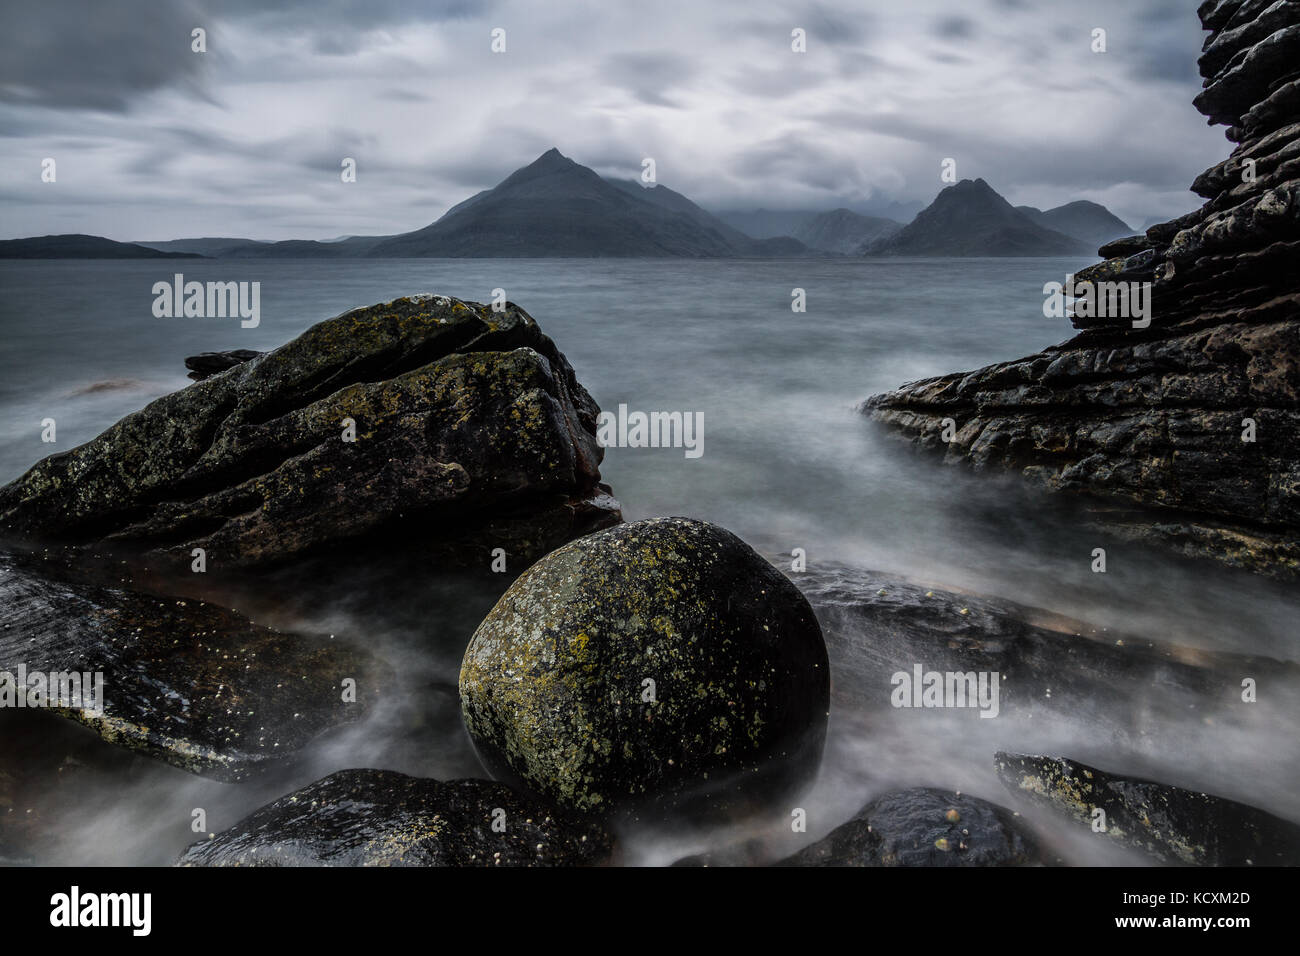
<point>154,141</point>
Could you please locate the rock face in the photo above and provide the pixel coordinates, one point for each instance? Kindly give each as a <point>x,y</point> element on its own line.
<point>924,827</point>
<point>190,683</point>
<point>1184,433</point>
<point>381,818</point>
<point>471,432</point>
<point>1174,825</point>
<point>662,662</point>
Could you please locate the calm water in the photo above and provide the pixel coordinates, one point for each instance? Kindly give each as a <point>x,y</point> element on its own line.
<point>787,464</point>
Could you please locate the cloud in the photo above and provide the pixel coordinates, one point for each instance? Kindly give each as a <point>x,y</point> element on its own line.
<point>153,140</point>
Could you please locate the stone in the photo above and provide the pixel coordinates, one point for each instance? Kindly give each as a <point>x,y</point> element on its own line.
<point>383,818</point>
<point>1173,825</point>
<point>660,666</point>
<point>423,419</point>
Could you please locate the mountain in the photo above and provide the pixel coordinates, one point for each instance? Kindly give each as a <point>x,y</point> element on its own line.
<point>78,246</point>
<point>970,219</point>
<point>1089,222</point>
<point>209,246</point>
<point>844,231</point>
<point>767,223</point>
<point>556,207</point>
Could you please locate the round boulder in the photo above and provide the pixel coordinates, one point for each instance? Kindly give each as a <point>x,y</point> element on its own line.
<point>658,664</point>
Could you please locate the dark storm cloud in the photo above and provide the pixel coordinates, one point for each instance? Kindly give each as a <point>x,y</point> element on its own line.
<point>67,54</point>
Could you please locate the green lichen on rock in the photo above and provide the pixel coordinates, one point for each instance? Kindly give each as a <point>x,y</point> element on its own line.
<point>658,663</point>
<point>471,430</point>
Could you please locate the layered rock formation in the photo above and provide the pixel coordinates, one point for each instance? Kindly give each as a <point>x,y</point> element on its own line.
<point>1186,432</point>
<point>425,419</point>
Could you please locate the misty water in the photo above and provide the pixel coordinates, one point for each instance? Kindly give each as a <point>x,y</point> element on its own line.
<point>787,463</point>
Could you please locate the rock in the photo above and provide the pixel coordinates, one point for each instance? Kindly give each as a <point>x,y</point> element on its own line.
<point>659,663</point>
<point>471,433</point>
<point>1184,434</point>
<point>382,818</point>
<point>210,363</point>
<point>1119,685</point>
<point>1173,825</point>
<point>190,683</point>
<point>924,827</point>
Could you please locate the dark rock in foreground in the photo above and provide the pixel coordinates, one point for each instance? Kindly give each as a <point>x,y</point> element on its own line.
<point>190,683</point>
<point>381,818</point>
<point>662,662</point>
<point>210,363</point>
<point>1171,824</point>
<point>471,433</point>
<point>924,827</point>
<point>1149,423</point>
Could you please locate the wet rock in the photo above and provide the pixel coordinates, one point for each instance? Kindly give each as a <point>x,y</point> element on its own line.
<point>1121,685</point>
<point>196,685</point>
<point>382,818</point>
<point>210,363</point>
<point>471,433</point>
<point>924,827</point>
<point>659,663</point>
<point>1173,825</point>
<point>1183,434</point>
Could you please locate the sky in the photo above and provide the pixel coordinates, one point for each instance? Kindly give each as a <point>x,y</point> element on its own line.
<point>152,140</point>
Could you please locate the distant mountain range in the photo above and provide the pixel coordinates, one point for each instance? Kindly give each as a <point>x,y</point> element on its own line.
<point>76,246</point>
<point>555,207</point>
<point>970,219</point>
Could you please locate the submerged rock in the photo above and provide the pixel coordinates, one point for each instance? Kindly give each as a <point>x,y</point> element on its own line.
<point>382,818</point>
<point>1184,433</point>
<point>196,685</point>
<point>1171,824</point>
<point>210,363</point>
<point>878,626</point>
<point>662,662</point>
<point>425,418</point>
<point>924,827</point>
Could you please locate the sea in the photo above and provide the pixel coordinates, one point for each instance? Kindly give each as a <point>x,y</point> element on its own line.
<point>787,462</point>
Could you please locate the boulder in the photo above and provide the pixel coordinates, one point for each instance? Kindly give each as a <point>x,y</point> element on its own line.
<point>1173,825</point>
<point>190,683</point>
<point>924,827</point>
<point>423,419</point>
<point>662,663</point>
<point>382,818</point>
<point>1184,434</point>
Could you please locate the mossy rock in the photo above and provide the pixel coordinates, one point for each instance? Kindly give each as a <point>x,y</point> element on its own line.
<point>658,667</point>
<point>422,418</point>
